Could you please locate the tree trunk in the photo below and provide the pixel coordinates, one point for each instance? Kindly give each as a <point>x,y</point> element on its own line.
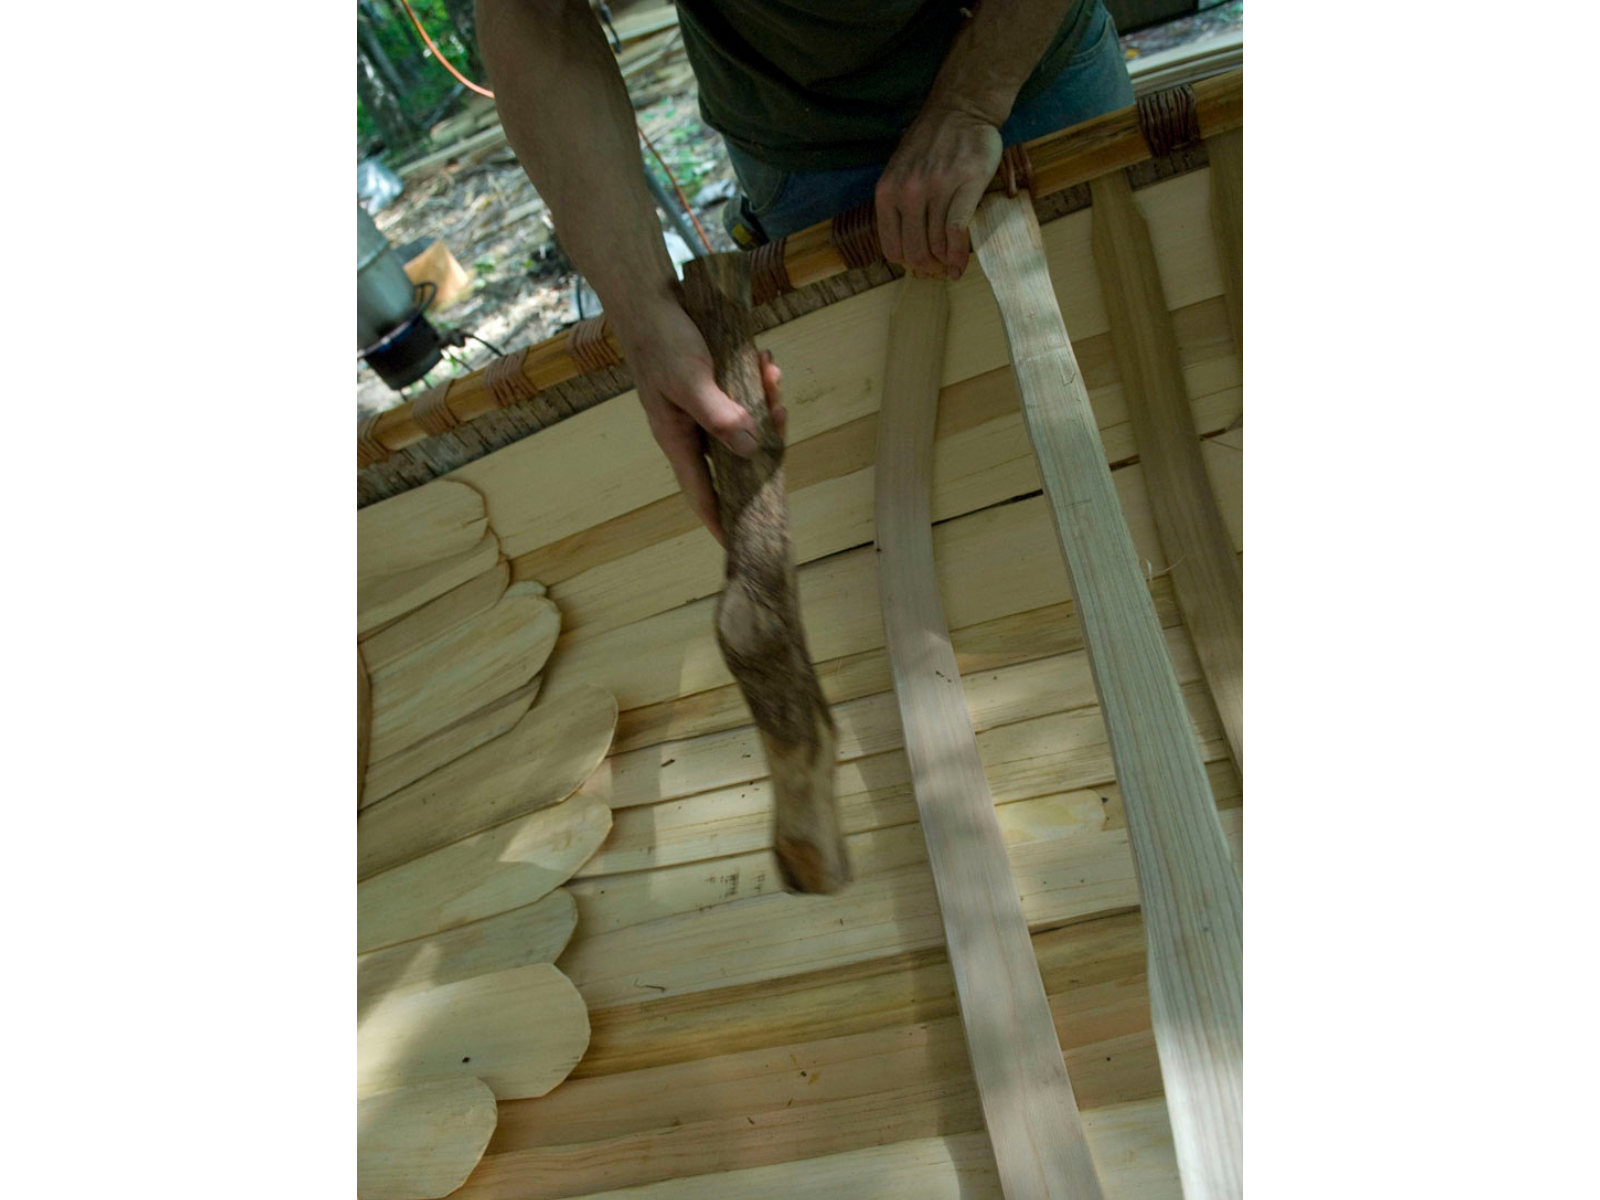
<point>383,106</point>
<point>464,17</point>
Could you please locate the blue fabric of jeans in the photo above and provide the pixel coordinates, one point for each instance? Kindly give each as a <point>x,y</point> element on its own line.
<point>1095,81</point>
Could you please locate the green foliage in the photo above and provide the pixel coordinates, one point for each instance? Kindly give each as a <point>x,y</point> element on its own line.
<point>424,83</point>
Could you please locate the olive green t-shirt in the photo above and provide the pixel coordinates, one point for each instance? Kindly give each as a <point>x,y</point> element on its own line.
<point>811,85</point>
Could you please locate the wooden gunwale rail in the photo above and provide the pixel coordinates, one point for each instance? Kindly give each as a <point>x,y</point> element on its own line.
<point>1058,161</point>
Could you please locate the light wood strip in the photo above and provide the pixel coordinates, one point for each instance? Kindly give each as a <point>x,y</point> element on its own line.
<point>435,521</point>
<point>436,618</point>
<point>481,876</point>
<point>1195,540</point>
<point>382,599</point>
<point>1190,886</point>
<point>539,763</point>
<point>453,676</point>
<point>421,1142</point>
<point>551,486</point>
<point>1027,1100</point>
<point>535,933</point>
<point>478,1027</point>
<point>1226,152</point>
<point>389,775</point>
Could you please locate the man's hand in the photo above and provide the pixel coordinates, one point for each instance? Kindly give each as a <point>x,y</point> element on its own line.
<point>931,188</point>
<point>672,371</point>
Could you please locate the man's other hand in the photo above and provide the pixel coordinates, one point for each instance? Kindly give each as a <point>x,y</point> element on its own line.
<point>931,188</point>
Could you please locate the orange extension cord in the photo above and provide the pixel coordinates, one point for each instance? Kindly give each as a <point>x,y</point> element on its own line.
<point>483,91</point>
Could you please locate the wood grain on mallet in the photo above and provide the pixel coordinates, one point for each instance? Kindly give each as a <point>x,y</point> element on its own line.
<point>1189,888</point>
<point>1199,552</point>
<point>758,611</point>
<point>1027,1099</point>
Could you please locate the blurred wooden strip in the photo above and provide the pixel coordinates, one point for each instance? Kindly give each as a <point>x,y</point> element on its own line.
<point>363,725</point>
<point>481,876</point>
<point>421,1142</point>
<point>1226,152</point>
<point>476,1027</point>
<point>541,762</point>
<point>453,676</point>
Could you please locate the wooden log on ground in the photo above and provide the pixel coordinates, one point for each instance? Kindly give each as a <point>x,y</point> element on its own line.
<point>1027,1099</point>
<point>1189,887</point>
<point>1199,552</point>
<point>758,612</point>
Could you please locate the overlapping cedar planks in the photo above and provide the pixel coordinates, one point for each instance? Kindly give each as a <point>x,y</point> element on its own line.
<point>817,1065</point>
<point>602,463</point>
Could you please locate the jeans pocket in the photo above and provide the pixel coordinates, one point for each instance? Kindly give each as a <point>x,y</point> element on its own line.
<point>1100,28</point>
<point>762,185</point>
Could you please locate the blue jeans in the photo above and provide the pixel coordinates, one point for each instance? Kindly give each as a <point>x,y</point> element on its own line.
<point>1095,81</point>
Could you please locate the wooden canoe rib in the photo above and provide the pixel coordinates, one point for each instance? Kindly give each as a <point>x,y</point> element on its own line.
<point>1028,1106</point>
<point>1188,884</point>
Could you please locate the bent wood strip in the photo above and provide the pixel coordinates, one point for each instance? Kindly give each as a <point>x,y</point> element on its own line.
<point>1188,882</point>
<point>520,1031</point>
<point>1060,160</point>
<point>1205,573</point>
<point>758,612</point>
<point>1226,152</point>
<point>456,675</point>
<point>384,598</point>
<point>539,763</point>
<point>437,617</point>
<point>432,522</point>
<point>1028,1105</point>
<point>481,876</point>
<point>389,775</point>
<point>421,1142</point>
<point>535,933</point>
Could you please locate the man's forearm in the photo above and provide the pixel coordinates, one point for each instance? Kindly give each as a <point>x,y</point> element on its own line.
<point>566,114</point>
<point>993,55</point>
